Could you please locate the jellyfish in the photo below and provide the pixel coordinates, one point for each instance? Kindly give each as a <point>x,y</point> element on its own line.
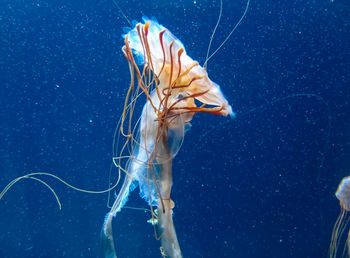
<point>174,88</point>
<point>343,195</point>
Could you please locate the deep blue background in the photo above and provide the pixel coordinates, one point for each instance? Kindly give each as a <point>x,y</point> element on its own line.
<point>260,185</point>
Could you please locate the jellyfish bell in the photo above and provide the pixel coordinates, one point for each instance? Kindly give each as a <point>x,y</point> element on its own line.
<point>181,79</point>
<point>341,224</point>
<point>343,193</point>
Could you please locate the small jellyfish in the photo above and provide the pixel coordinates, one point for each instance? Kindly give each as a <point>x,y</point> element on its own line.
<point>343,195</point>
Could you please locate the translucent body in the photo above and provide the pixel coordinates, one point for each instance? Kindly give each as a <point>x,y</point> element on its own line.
<point>171,82</point>
<point>341,225</point>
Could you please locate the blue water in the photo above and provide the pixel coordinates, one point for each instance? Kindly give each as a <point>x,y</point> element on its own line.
<point>259,185</point>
